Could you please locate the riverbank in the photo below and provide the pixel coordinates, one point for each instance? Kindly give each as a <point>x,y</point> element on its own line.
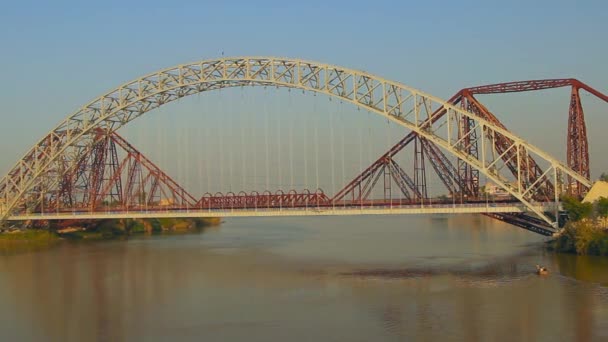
<point>586,232</point>
<point>29,239</point>
<point>583,237</point>
<point>118,228</point>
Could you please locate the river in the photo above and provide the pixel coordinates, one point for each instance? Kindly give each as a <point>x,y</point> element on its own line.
<point>429,278</point>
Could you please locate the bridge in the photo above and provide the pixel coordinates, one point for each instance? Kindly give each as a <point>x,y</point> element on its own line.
<point>83,169</point>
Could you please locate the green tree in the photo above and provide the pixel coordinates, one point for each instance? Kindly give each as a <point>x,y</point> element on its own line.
<point>576,209</point>
<point>604,177</point>
<point>602,206</point>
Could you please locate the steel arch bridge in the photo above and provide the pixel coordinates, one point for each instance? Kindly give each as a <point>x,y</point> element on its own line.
<point>51,170</point>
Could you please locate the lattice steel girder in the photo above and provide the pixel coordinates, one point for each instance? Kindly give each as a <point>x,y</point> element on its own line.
<point>447,173</point>
<point>403,105</point>
<point>177,191</point>
<point>532,85</point>
<point>405,181</point>
<point>291,199</point>
<point>98,177</point>
<point>578,149</point>
<point>532,171</point>
<point>356,183</point>
<point>577,143</point>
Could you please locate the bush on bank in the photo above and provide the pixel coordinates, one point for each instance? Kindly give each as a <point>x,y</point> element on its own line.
<point>586,232</point>
<point>117,228</point>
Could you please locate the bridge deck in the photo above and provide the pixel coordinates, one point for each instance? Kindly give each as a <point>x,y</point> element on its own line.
<point>475,208</point>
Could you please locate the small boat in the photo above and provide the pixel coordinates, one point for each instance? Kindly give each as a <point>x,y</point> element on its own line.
<point>541,270</point>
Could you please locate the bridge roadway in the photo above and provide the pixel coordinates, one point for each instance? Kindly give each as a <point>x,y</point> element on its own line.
<point>338,210</point>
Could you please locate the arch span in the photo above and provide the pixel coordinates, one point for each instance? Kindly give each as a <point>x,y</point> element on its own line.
<point>40,170</point>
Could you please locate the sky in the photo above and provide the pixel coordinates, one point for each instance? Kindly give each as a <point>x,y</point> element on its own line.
<point>57,56</point>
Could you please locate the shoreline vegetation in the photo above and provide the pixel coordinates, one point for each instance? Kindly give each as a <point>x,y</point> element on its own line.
<point>28,240</point>
<point>37,238</point>
<point>586,232</point>
<point>117,228</point>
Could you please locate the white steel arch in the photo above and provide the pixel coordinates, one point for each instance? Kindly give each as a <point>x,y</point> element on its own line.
<point>37,174</point>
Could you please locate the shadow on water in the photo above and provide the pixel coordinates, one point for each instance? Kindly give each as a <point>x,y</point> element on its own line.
<point>503,266</point>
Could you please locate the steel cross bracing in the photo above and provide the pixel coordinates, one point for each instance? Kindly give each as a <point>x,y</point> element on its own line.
<point>253,200</point>
<point>464,181</point>
<point>577,142</point>
<point>42,168</point>
<point>105,178</point>
<point>114,176</point>
<point>522,166</point>
<point>114,180</point>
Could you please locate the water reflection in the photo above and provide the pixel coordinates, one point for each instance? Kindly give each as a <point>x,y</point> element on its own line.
<point>304,280</point>
<point>588,268</point>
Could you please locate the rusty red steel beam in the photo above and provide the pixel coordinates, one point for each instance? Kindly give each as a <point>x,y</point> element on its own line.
<point>443,167</point>
<point>388,170</point>
<point>99,153</point>
<point>519,86</point>
<point>580,85</point>
<point>438,156</point>
<point>395,149</point>
<point>466,95</point>
<point>132,172</point>
<point>419,170</point>
<point>104,170</point>
<point>98,177</point>
<point>371,170</point>
<point>291,199</point>
<point>115,191</point>
<point>117,179</point>
<point>154,170</point>
<point>401,181</point>
<point>578,145</point>
<point>67,187</point>
<point>503,145</point>
<point>532,85</point>
<point>467,132</point>
<point>577,141</point>
<point>404,181</point>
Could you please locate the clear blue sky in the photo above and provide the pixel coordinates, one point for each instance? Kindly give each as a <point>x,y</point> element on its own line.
<point>57,55</point>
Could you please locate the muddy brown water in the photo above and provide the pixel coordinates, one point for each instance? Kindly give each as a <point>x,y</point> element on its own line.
<point>308,279</point>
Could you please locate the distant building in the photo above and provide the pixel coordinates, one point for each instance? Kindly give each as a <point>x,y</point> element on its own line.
<point>166,202</point>
<point>494,190</point>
